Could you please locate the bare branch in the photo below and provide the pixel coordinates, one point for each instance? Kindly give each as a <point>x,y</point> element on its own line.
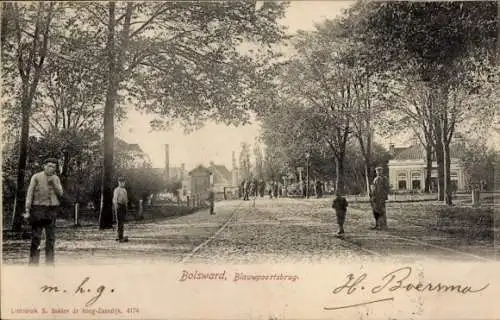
<point>96,14</point>
<point>39,129</point>
<point>43,52</point>
<point>161,9</point>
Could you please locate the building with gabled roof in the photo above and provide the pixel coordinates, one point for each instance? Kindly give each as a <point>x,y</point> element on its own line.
<point>408,168</point>
<point>200,181</point>
<point>222,177</point>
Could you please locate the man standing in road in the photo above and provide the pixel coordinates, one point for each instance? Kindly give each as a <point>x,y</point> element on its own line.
<point>379,197</point>
<point>211,199</point>
<point>120,206</point>
<point>42,205</point>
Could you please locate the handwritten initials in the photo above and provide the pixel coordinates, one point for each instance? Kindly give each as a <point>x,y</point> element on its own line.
<point>351,284</point>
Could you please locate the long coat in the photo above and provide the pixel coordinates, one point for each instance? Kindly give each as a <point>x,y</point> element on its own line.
<point>380,193</point>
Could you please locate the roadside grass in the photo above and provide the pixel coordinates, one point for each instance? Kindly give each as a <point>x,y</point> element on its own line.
<point>467,222</point>
<point>90,218</point>
<point>461,221</point>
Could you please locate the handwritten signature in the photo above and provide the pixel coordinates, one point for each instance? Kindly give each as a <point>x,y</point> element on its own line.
<point>82,289</point>
<point>395,281</point>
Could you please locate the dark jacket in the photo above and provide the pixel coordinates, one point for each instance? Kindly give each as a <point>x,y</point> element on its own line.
<point>340,203</point>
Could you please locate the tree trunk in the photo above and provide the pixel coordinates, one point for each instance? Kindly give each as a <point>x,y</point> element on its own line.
<point>366,150</point>
<point>339,171</point>
<point>65,172</point>
<point>440,165</point>
<point>448,190</point>
<point>367,178</point>
<point>17,219</point>
<point>438,146</point>
<point>445,144</point>
<point>116,57</point>
<point>106,208</point>
<point>28,94</point>
<point>106,215</point>
<point>6,20</point>
<point>428,171</point>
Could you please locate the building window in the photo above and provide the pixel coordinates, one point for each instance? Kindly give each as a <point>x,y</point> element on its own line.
<point>402,184</point>
<point>416,178</point>
<point>416,185</point>
<point>454,185</point>
<point>402,181</point>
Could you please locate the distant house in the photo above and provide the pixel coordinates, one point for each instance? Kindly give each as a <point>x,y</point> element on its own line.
<point>200,180</point>
<point>407,169</point>
<point>222,177</point>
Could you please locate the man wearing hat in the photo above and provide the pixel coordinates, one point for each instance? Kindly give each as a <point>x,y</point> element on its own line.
<point>42,203</point>
<point>380,195</point>
<point>120,206</point>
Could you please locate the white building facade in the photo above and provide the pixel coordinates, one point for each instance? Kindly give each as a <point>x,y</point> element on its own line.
<point>408,170</point>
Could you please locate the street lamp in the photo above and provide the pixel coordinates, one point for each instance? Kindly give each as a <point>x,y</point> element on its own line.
<point>308,155</point>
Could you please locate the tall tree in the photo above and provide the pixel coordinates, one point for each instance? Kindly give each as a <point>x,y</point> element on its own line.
<point>26,47</point>
<point>324,87</point>
<point>437,38</point>
<point>180,60</point>
<point>259,161</point>
<point>273,164</point>
<point>411,109</point>
<point>361,68</point>
<point>245,163</point>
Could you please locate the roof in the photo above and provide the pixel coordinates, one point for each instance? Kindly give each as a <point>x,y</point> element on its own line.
<point>199,168</point>
<point>417,152</point>
<point>221,170</point>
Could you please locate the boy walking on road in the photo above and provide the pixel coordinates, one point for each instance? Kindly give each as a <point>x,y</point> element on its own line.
<point>340,205</point>
<point>120,204</point>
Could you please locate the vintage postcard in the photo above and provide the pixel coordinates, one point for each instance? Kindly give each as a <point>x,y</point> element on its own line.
<point>250,160</point>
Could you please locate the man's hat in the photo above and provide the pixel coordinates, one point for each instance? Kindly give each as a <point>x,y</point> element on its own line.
<point>50,160</point>
<point>379,168</point>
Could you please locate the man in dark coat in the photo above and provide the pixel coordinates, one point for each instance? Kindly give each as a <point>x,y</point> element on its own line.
<point>379,195</point>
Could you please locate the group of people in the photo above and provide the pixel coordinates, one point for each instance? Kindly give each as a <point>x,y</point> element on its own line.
<point>43,199</point>
<point>45,191</point>
<point>379,193</point>
<point>253,188</point>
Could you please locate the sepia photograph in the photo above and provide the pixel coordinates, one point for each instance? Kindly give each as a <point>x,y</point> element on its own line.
<point>255,151</point>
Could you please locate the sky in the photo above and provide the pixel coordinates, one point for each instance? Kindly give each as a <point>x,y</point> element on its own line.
<point>216,142</point>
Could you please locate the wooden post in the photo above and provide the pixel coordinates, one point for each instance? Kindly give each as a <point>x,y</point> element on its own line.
<point>141,209</point>
<point>77,209</point>
<point>475,197</point>
<point>187,201</point>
